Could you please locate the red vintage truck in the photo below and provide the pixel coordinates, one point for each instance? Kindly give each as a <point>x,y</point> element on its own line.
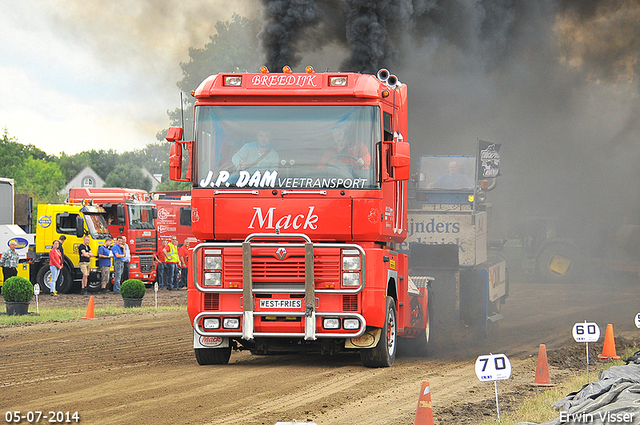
<point>130,213</point>
<point>300,196</point>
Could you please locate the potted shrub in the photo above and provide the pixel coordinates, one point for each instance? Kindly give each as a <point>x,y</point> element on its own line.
<point>17,292</point>
<point>132,291</point>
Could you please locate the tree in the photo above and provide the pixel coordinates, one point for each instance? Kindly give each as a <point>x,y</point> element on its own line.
<point>234,48</point>
<point>128,177</point>
<point>14,154</point>
<point>41,179</point>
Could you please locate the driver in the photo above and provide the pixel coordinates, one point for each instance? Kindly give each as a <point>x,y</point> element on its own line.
<point>343,152</point>
<point>257,155</point>
<point>452,180</point>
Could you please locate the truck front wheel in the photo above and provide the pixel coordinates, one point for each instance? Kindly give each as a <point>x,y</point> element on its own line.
<point>43,278</point>
<point>206,356</point>
<point>383,354</point>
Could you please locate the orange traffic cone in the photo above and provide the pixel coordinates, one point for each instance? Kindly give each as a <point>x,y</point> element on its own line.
<point>609,349</point>
<point>89,313</point>
<point>424,412</point>
<point>542,370</point>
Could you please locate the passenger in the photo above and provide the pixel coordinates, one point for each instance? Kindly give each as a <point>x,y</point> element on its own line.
<point>344,152</point>
<point>159,257</point>
<point>171,263</point>
<point>183,253</point>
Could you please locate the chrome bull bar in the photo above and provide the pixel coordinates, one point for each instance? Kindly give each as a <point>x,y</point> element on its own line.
<point>248,289</point>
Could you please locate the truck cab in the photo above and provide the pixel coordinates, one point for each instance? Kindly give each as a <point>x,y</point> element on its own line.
<point>299,194</point>
<point>130,213</point>
<point>74,221</point>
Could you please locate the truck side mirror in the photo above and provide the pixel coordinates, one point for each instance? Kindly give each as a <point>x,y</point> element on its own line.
<point>154,213</point>
<point>175,155</point>
<point>79,227</point>
<point>120,213</point>
<point>401,161</point>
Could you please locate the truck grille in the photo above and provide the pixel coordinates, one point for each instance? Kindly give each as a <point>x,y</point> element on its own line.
<point>146,263</point>
<point>269,271</point>
<point>145,244</point>
<point>211,302</point>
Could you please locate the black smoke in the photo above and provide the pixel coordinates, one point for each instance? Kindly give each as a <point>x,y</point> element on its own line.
<point>285,22</point>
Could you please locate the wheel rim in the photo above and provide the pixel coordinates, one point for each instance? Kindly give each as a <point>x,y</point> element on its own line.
<point>391,332</point>
<point>560,265</point>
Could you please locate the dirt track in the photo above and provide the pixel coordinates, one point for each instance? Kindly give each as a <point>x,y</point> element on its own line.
<point>140,368</point>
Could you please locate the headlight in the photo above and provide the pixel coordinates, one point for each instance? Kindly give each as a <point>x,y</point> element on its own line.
<point>233,80</point>
<point>351,279</point>
<point>213,263</point>
<point>350,263</point>
<point>133,265</point>
<point>338,81</point>
<point>331,323</point>
<point>211,323</point>
<point>351,324</point>
<point>213,279</point>
<point>231,323</point>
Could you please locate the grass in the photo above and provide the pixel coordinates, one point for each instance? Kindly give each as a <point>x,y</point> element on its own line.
<point>64,314</point>
<point>539,409</point>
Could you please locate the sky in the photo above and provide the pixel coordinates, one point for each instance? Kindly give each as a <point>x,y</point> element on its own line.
<point>77,75</point>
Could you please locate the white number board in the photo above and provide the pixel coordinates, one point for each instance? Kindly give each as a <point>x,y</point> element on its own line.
<point>493,367</point>
<point>586,332</point>
<point>638,320</point>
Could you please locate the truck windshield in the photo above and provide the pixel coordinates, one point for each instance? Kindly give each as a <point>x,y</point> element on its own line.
<point>287,147</point>
<point>140,217</point>
<point>97,226</point>
<point>447,172</point>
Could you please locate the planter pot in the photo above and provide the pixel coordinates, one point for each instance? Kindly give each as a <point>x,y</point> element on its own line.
<point>132,302</point>
<point>17,309</point>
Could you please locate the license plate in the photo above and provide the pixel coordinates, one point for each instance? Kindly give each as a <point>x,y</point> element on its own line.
<point>266,303</point>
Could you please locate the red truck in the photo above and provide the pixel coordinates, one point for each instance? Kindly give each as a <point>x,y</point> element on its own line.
<point>174,215</point>
<point>300,195</point>
<point>130,212</point>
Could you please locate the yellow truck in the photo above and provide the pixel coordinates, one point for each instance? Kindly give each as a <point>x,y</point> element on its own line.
<point>74,221</point>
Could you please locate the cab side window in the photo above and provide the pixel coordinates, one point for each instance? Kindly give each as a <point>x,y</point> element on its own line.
<point>66,223</point>
<point>185,216</point>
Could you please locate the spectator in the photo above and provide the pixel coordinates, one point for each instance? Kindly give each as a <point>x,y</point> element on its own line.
<point>104,263</point>
<point>126,259</point>
<point>171,263</point>
<point>159,257</point>
<point>9,261</point>
<point>55,265</point>
<point>61,240</point>
<point>84,252</point>
<point>118,263</point>
<point>183,253</point>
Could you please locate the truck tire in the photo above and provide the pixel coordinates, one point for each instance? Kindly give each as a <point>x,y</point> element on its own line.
<point>420,346</point>
<point>383,354</point>
<point>43,278</point>
<point>207,356</point>
<point>559,263</point>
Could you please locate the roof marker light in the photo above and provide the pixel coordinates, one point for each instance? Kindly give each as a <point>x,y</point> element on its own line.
<point>233,80</point>
<point>286,69</point>
<point>309,69</point>
<point>338,81</point>
<point>264,70</point>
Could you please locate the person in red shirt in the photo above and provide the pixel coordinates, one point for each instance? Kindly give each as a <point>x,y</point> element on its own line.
<point>355,154</point>
<point>183,253</point>
<point>159,257</point>
<point>55,265</point>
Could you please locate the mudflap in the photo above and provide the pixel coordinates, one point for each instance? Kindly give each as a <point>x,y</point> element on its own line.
<point>200,341</point>
<point>482,291</point>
